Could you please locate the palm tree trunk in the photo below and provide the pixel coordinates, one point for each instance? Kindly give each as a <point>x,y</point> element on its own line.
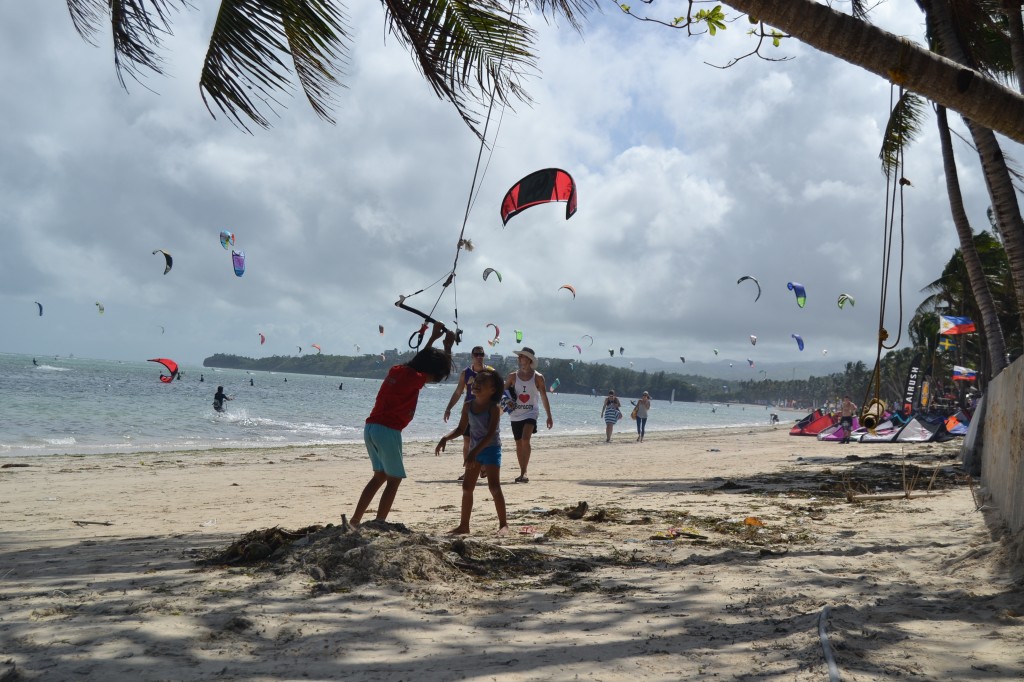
<point>997,176</point>
<point>1011,10</point>
<point>993,331</point>
<point>897,60</point>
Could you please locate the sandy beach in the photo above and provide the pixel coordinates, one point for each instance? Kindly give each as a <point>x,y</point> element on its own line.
<point>726,554</point>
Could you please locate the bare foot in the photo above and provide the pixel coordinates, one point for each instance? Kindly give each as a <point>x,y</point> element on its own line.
<point>503,531</point>
<point>459,531</point>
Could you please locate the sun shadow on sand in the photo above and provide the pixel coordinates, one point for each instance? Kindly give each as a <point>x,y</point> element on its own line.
<point>390,603</point>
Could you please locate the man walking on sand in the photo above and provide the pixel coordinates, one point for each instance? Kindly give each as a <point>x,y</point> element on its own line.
<point>846,412</point>
<point>528,389</point>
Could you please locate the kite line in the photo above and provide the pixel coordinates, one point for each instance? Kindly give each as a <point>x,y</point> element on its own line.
<point>416,339</point>
<point>871,412</point>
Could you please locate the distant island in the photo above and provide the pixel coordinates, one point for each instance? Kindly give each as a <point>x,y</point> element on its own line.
<point>573,376</point>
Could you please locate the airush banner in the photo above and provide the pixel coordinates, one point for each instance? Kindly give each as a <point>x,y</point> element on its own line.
<point>910,389</point>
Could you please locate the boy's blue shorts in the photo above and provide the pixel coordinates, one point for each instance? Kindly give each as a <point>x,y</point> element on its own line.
<point>384,446</point>
<point>489,456</point>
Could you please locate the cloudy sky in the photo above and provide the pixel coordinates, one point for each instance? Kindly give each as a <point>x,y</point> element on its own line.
<point>689,177</point>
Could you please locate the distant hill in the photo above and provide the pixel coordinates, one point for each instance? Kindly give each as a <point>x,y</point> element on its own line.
<point>780,371</point>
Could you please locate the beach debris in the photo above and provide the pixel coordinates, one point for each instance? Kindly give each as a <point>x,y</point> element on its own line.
<point>578,511</point>
<point>732,485</point>
<point>753,521</point>
<point>555,532</point>
<point>92,523</point>
<point>14,465</point>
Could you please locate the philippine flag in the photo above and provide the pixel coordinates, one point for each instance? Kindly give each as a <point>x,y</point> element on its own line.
<point>955,325</point>
<point>964,373</point>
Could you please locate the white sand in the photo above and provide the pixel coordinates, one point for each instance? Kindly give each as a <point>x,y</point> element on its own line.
<point>917,588</point>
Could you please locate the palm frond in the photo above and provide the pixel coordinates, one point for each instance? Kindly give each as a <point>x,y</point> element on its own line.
<point>136,28</point>
<point>902,128</point>
<point>466,49</point>
<point>245,68</point>
<point>572,10</point>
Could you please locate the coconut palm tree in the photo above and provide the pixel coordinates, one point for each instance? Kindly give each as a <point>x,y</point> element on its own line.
<point>950,39</point>
<point>467,49</point>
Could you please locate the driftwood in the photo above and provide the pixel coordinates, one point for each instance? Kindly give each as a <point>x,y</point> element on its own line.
<point>92,523</point>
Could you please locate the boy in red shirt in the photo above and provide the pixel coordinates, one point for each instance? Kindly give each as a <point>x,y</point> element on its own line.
<point>392,412</point>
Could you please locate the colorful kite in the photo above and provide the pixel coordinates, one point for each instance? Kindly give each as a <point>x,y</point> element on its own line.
<point>798,289</point>
<point>588,336</point>
<point>519,335</point>
<point>263,339</point>
<point>238,262</point>
<point>488,271</point>
<point>317,348</point>
<point>799,340</point>
<point>844,299</point>
<point>171,366</point>
<point>227,240</point>
<point>539,187</point>
<point>571,288</point>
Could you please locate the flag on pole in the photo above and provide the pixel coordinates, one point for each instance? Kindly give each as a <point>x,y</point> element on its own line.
<point>947,344</point>
<point>964,373</point>
<point>955,325</point>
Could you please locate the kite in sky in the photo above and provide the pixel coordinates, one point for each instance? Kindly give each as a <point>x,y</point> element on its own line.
<point>497,331</point>
<point>168,261</point>
<point>578,349</point>
<point>171,366</point>
<point>539,187</point>
<point>588,336</point>
<point>611,352</point>
<point>682,359</point>
<point>380,329</point>
<point>801,293</point>
<point>263,339</point>
<point>571,288</point>
<point>844,299</point>
<point>40,308</point>
<point>753,340</point>
<point>317,348</point>
<point>238,262</point>
<point>99,307</point>
<point>756,283</point>
<point>227,240</point>
<point>488,271</point>
<point>799,340</point>
<point>519,335</point>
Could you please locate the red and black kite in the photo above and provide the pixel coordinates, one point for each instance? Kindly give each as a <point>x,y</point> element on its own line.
<point>539,187</point>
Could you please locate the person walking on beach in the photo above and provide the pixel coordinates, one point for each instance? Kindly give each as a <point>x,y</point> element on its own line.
<point>465,385</point>
<point>612,411</point>
<point>480,421</point>
<point>846,411</point>
<point>392,411</point>
<point>642,407</point>
<point>527,386</point>
<point>218,399</point>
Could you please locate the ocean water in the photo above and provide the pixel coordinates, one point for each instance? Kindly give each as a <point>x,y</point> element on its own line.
<point>80,406</point>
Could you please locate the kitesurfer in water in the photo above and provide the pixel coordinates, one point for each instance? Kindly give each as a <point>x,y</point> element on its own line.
<point>527,385</point>
<point>201,379</point>
<point>34,362</point>
<point>392,411</point>
<point>218,399</point>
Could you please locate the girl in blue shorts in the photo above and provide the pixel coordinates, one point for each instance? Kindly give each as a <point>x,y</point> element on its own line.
<point>480,419</point>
